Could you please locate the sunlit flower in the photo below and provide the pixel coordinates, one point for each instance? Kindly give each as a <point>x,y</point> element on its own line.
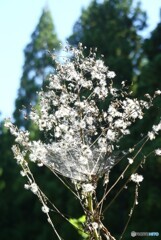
<point>136,178</point>
<point>87,187</point>
<point>158,152</point>
<point>45,209</point>
<point>82,116</point>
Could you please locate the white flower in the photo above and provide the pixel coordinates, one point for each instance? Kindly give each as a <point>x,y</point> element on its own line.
<point>131,150</point>
<point>111,135</point>
<point>151,135</point>
<point>45,209</point>
<point>37,151</point>
<point>113,111</point>
<point>22,173</point>
<point>100,65</point>
<point>156,128</point>
<point>158,92</point>
<point>87,187</point>
<point>83,160</point>
<point>158,152</point>
<point>101,141</point>
<point>34,116</point>
<point>136,178</point>
<point>27,186</point>
<point>95,225</point>
<point>34,188</point>
<point>125,132</point>
<point>113,91</point>
<point>111,74</point>
<point>88,153</point>
<point>130,160</point>
<point>8,124</point>
<point>57,132</point>
<point>97,90</point>
<point>120,124</point>
<point>89,120</point>
<point>82,124</point>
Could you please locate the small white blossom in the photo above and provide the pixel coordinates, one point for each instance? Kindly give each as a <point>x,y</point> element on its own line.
<point>111,74</point>
<point>130,160</point>
<point>23,174</point>
<point>82,124</point>
<point>111,135</point>
<point>136,178</point>
<point>95,225</point>
<point>88,153</point>
<point>156,128</point>
<point>87,187</point>
<point>34,188</point>
<point>27,186</point>
<point>158,92</point>
<point>131,150</point>
<point>8,124</point>
<point>45,209</point>
<point>101,141</point>
<point>40,164</point>
<point>151,135</point>
<point>158,152</point>
<point>83,160</point>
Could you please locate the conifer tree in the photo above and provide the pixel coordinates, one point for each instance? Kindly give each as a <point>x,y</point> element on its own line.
<point>148,81</point>
<point>37,64</point>
<point>112,27</point>
<point>150,77</point>
<point>14,205</point>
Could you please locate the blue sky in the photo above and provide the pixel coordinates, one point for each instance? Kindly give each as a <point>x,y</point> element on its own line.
<point>18,20</point>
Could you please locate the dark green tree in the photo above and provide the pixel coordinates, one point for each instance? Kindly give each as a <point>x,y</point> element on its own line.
<point>150,78</point>
<point>21,215</point>
<point>37,65</point>
<point>112,27</point>
<point>148,82</point>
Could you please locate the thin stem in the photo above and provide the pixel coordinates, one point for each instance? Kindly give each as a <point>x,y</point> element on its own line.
<point>92,218</point>
<point>64,183</point>
<point>131,212</point>
<point>126,168</point>
<point>105,195</point>
<point>124,185</point>
<point>51,223</point>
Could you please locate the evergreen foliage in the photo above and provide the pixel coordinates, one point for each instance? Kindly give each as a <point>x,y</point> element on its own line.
<point>37,65</point>
<point>112,27</point>
<point>149,80</point>
<point>21,216</point>
<point>150,77</point>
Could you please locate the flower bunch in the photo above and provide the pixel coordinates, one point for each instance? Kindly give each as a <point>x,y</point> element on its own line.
<point>83,117</point>
<point>83,134</point>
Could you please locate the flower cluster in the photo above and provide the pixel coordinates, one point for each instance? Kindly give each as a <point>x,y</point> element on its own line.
<point>136,178</point>
<point>84,117</point>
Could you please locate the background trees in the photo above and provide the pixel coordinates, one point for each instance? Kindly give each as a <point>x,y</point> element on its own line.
<point>150,77</point>
<point>113,26</point>
<point>37,65</point>
<point>18,207</point>
<point>149,80</point>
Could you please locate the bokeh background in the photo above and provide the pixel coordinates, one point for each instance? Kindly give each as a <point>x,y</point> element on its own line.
<point>128,33</point>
